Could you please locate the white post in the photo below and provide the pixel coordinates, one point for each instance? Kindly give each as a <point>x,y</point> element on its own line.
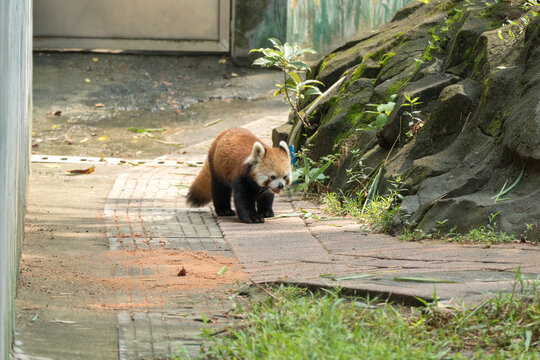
<point>15,118</point>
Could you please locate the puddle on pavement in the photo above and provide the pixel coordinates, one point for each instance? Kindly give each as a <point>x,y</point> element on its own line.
<point>102,132</point>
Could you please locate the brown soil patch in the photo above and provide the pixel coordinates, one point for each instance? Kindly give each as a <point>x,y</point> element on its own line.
<point>161,270</point>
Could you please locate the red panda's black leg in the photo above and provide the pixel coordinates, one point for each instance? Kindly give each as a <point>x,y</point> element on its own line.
<point>245,195</point>
<point>221,197</point>
<point>264,204</point>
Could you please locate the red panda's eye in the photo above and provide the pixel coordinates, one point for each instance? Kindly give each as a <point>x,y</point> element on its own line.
<point>285,177</point>
<point>273,177</point>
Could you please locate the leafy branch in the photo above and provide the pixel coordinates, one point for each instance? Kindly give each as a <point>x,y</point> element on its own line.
<point>285,57</point>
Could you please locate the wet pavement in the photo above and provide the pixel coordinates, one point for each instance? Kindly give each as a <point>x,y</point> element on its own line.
<point>100,271</point>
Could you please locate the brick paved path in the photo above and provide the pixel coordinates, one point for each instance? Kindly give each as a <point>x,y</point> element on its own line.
<point>146,210</point>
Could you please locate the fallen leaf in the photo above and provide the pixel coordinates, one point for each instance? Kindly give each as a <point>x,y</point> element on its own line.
<point>212,123</point>
<point>222,271</point>
<point>102,138</point>
<point>222,60</point>
<point>234,75</point>
<point>423,280</point>
<point>99,105</point>
<point>182,272</point>
<point>87,80</point>
<point>166,83</point>
<point>179,76</point>
<point>95,59</point>
<point>81,172</point>
<point>169,143</point>
<point>55,126</point>
<point>346,277</point>
<point>285,215</point>
<point>137,130</point>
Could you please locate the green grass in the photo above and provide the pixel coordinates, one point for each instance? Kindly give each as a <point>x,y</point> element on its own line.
<point>376,216</point>
<point>379,214</point>
<point>485,235</point>
<point>299,324</point>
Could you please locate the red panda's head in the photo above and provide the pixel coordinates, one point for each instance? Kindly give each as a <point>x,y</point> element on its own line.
<point>270,167</point>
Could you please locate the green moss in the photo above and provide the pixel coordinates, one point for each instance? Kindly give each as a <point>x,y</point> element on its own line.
<point>377,55</point>
<point>494,128</point>
<point>354,114</point>
<point>337,110</point>
<point>325,61</point>
<point>480,67</point>
<point>398,35</point>
<point>394,88</point>
<point>385,59</point>
<point>358,72</point>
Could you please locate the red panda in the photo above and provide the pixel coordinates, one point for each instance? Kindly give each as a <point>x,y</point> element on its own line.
<point>238,163</point>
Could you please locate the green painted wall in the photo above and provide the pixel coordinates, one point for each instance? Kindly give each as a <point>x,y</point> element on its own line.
<point>325,24</point>
<point>254,22</point>
<point>15,110</point>
<point>319,24</point>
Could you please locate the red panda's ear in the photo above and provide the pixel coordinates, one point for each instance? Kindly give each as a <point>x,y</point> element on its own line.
<point>283,145</point>
<point>257,154</point>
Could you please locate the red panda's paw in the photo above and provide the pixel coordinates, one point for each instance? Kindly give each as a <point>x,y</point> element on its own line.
<point>227,212</point>
<point>267,213</point>
<point>253,219</point>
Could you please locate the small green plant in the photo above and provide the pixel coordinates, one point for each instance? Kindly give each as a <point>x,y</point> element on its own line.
<point>286,57</point>
<point>530,6</point>
<point>382,111</point>
<point>415,123</point>
<point>505,190</point>
<point>308,172</point>
<point>374,212</point>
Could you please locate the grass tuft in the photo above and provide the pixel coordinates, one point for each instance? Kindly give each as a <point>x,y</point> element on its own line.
<point>297,323</point>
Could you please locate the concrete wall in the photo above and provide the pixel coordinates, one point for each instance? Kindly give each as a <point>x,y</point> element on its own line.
<point>318,24</point>
<point>15,110</point>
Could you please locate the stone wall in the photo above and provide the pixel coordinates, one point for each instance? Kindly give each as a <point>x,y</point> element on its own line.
<point>15,112</point>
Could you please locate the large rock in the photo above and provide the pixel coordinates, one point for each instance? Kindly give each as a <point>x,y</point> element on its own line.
<point>480,110</point>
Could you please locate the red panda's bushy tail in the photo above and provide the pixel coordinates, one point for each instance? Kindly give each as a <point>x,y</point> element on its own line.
<point>200,192</point>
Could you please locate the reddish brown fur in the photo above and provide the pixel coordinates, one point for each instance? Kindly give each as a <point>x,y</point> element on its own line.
<point>227,153</point>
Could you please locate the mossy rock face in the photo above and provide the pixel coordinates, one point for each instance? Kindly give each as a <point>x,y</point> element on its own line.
<point>342,182</point>
<point>480,110</point>
<point>455,105</point>
<point>343,119</point>
<point>332,67</point>
<point>427,89</point>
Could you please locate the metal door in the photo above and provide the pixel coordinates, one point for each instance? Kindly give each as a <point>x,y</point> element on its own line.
<point>158,25</point>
